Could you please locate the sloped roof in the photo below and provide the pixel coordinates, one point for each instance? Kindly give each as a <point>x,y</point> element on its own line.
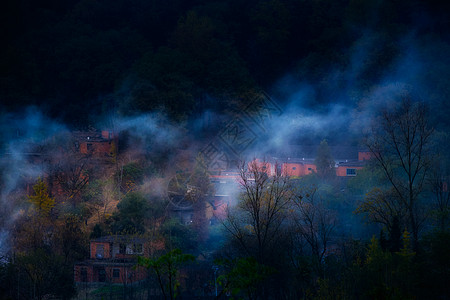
<point>352,163</point>
<point>310,152</point>
<point>120,239</point>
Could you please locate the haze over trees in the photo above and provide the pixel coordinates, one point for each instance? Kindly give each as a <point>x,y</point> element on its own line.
<point>170,79</point>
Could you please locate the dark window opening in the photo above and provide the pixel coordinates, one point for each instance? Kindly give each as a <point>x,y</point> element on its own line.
<point>122,248</point>
<point>84,274</point>
<point>100,251</point>
<point>90,147</point>
<point>309,169</point>
<point>294,168</point>
<point>351,172</point>
<point>102,275</point>
<point>116,273</point>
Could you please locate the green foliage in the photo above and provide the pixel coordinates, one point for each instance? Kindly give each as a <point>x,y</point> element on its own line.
<point>70,238</point>
<point>166,268</point>
<point>435,267</point>
<point>97,231</point>
<point>179,235</point>
<point>327,291</point>
<point>386,275</point>
<point>130,176</point>
<point>367,178</point>
<point>41,200</point>
<point>383,207</point>
<point>243,277</point>
<point>46,273</point>
<point>131,214</point>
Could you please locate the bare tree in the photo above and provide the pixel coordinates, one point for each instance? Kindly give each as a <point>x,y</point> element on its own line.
<point>383,207</point>
<point>256,221</point>
<point>101,197</point>
<point>71,171</point>
<point>314,223</point>
<point>400,142</point>
<point>72,175</point>
<point>438,181</point>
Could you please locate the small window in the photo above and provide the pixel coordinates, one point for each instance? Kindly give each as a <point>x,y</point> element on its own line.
<point>122,248</point>
<point>294,168</point>
<point>102,275</point>
<point>84,274</point>
<point>89,147</point>
<point>100,251</point>
<point>309,169</point>
<point>351,172</point>
<point>116,273</point>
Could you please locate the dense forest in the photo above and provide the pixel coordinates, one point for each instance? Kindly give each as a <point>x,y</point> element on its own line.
<point>150,127</point>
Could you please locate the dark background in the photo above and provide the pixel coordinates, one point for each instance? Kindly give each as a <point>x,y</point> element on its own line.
<point>77,60</point>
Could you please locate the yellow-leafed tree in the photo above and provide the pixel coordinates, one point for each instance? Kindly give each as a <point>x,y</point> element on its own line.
<point>41,200</point>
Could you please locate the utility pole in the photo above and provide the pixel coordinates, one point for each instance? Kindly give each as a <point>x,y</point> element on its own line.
<point>215,268</point>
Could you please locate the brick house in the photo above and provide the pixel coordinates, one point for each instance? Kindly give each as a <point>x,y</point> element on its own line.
<point>365,155</point>
<point>265,166</point>
<point>98,143</point>
<point>113,259</point>
<point>296,167</point>
<point>349,168</point>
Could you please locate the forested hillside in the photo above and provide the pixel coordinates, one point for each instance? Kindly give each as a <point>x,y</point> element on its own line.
<point>261,149</point>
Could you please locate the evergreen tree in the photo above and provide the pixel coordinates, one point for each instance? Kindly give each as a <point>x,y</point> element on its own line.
<point>324,161</point>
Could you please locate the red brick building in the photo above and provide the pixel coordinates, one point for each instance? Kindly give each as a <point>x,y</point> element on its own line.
<point>113,260</point>
<point>265,166</point>
<point>296,167</point>
<point>98,143</point>
<point>349,168</point>
<point>365,155</point>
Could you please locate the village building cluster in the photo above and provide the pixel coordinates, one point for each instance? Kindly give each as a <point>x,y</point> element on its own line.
<point>113,259</point>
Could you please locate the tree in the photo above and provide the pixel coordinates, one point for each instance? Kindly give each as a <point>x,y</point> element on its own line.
<point>72,175</point>
<point>384,207</point>
<point>47,274</point>
<point>41,200</point>
<point>387,275</point>
<point>257,220</point>
<point>70,240</point>
<point>203,193</point>
<point>100,198</point>
<point>130,176</point>
<point>400,141</point>
<point>243,276</point>
<point>438,182</point>
<point>166,268</point>
<point>324,161</point>
<point>35,229</point>
<point>131,214</point>
<point>314,223</point>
